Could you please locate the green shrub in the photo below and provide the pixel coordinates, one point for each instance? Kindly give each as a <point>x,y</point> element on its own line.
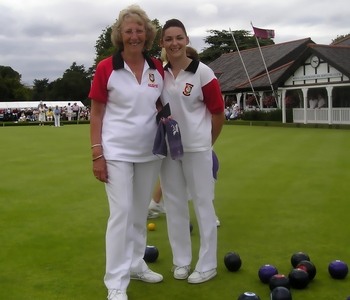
<point>273,115</point>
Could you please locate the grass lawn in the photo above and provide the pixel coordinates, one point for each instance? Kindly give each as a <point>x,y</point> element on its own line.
<point>279,191</point>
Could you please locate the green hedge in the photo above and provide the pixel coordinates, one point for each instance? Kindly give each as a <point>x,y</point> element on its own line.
<point>287,125</point>
<point>273,115</point>
<point>28,123</point>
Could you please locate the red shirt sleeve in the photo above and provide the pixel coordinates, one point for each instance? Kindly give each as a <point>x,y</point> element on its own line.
<point>159,66</point>
<point>212,97</point>
<point>98,89</point>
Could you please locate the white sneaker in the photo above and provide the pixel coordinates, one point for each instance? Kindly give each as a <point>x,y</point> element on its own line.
<point>117,295</point>
<point>147,276</point>
<point>152,215</point>
<point>158,207</point>
<point>217,222</point>
<point>199,277</point>
<point>181,272</point>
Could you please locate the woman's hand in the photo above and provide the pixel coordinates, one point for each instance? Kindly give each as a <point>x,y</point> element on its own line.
<point>99,168</point>
<point>164,119</point>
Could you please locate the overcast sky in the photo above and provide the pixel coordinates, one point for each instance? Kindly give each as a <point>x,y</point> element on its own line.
<point>42,38</point>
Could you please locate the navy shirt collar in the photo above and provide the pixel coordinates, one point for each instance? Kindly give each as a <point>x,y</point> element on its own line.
<point>192,67</point>
<point>118,61</point>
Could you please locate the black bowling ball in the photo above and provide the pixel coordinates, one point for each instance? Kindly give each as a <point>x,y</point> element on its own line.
<point>232,261</point>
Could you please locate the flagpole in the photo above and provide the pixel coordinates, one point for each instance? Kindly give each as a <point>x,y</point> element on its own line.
<point>246,72</point>
<point>267,72</point>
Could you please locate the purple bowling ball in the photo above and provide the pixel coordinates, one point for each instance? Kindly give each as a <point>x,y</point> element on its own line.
<point>248,296</point>
<point>266,272</point>
<point>338,269</point>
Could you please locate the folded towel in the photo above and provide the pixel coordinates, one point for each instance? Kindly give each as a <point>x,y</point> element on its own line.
<point>174,138</point>
<point>170,128</point>
<point>159,145</point>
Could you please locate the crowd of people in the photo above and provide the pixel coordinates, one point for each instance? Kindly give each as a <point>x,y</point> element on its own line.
<point>232,111</point>
<point>42,113</point>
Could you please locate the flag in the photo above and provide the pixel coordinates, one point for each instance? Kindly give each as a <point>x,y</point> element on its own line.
<point>264,33</point>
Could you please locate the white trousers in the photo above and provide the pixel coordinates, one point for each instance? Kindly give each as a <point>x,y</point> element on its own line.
<point>193,170</point>
<point>129,190</point>
<point>57,120</point>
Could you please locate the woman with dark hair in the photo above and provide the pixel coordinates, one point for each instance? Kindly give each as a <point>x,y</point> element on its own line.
<point>195,100</point>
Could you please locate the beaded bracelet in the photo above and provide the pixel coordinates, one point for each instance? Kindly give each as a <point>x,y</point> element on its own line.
<point>96,145</point>
<point>97,157</point>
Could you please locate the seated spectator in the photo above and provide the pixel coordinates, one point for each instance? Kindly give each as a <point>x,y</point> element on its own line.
<point>22,117</point>
<point>15,114</point>
<point>8,115</point>
<point>49,115</point>
<point>236,113</point>
<point>228,112</point>
<point>29,115</point>
<point>36,114</point>
<point>313,102</point>
<point>321,102</point>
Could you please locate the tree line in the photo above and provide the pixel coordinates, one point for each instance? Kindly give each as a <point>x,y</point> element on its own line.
<point>76,80</point>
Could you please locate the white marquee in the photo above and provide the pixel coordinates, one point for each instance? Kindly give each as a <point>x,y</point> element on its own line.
<point>33,104</point>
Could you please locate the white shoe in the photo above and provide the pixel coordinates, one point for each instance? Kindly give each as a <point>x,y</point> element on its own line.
<point>181,272</point>
<point>147,276</point>
<point>158,207</point>
<point>152,215</point>
<point>217,222</point>
<point>199,277</point>
<point>117,295</point>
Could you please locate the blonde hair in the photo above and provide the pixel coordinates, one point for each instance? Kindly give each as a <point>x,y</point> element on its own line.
<point>138,15</point>
<point>163,57</point>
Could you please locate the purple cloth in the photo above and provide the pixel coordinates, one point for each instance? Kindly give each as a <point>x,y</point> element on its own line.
<point>172,130</point>
<point>174,138</point>
<point>159,145</point>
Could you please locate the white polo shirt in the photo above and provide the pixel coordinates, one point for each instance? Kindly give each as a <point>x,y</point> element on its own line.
<point>194,96</point>
<point>129,124</point>
<point>313,103</point>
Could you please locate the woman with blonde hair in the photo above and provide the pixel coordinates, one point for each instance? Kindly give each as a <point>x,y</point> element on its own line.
<point>124,106</point>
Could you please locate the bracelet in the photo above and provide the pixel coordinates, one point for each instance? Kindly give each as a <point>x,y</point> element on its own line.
<point>97,157</point>
<point>96,145</point>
